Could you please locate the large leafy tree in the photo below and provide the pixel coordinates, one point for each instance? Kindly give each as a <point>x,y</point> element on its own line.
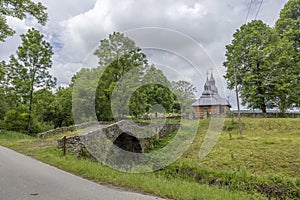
<point>111,77</point>
<point>288,27</point>
<point>155,90</point>
<point>118,54</point>
<point>283,77</point>
<point>29,70</point>
<point>19,9</point>
<point>288,24</point>
<point>160,90</point>
<point>128,82</point>
<point>246,57</point>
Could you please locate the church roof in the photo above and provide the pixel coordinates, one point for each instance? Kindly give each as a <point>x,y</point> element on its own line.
<point>210,95</point>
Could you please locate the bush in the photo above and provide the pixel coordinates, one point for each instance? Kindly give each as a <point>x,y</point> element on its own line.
<point>17,119</point>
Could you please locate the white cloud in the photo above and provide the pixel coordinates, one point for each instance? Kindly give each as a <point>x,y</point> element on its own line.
<point>195,11</point>
<point>82,32</point>
<point>75,27</point>
<point>9,47</point>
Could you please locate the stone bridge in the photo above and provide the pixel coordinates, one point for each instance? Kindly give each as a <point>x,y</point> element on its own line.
<point>127,135</point>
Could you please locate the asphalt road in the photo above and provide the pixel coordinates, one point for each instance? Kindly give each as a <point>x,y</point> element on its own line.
<point>23,178</point>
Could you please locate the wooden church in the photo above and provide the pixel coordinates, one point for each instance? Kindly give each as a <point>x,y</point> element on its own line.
<point>210,103</point>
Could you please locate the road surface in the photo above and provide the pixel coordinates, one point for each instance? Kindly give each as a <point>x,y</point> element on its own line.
<point>23,178</point>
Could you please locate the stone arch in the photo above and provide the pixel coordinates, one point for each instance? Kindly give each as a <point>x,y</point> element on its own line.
<point>128,142</point>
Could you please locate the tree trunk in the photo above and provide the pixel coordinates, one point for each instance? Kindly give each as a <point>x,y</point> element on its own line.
<point>263,108</point>
<point>30,102</point>
<point>282,104</point>
<point>29,116</point>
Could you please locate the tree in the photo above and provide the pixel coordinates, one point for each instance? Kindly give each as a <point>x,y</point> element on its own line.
<point>19,9</point>
<point>283,79</point>
<point>128,82</point>
<point>288,24</point>
<point>29,70</point>
<point>44,106</point>
<point>138,104</point>
<point>63,107</point>
<point>247,57</point>
<point>84,84</point>
<point>185,94</point>
<point>159,90</point>
<point>119,55</point>
<point>3,101</point>
<point>288,27</point>
<point>113,48</point>
<point>16,119</point>
<point>155,90</point>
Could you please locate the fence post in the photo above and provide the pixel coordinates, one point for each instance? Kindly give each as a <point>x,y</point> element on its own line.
<point>64,146</point>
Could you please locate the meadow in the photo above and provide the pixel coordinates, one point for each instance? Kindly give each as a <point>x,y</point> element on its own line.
<point>263,164</point>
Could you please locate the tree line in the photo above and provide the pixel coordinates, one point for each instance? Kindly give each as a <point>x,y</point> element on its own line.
<point>127,85</point>
<point>266,61</point>
<point>30,101</point>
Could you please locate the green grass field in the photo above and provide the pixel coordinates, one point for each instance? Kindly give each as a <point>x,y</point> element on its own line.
<point>268,146</point>
<point>263,164</point>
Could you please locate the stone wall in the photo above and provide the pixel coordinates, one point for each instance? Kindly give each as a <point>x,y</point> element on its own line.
<point>74,145</point>
<point>77,144</point>
<point>61,130</point>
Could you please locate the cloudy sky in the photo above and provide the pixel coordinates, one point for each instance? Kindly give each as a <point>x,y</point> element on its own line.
<point>75,28</point>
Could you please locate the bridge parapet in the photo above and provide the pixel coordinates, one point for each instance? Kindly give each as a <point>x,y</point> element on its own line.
<point>125,134</point>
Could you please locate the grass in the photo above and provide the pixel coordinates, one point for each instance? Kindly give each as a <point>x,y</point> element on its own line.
<point>265,160</point>
<point>153,183</point>
<point>268,146</point>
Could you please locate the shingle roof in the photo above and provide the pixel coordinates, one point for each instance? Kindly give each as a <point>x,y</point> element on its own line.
<point>210,96</point>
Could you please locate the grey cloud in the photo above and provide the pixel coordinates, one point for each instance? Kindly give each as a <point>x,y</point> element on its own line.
<point>76,27</point>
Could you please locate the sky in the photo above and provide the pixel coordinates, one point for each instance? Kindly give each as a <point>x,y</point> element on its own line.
<point>186,38</point>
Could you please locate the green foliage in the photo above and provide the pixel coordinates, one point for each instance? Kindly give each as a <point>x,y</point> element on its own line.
<point>246,56</point>
<point>230,125</point>
<point>138,103</point>
<point>19,9</point>
<point>29,70</point>
<point>288,27</point>
<point>128,85</point>
<point>113,48</point>
<point>110,78</point>
<point>84,84</point>
<point>153,96</point>
<point>157,143</point>
<point>44,105</point>
<point>119,55</point>
<point>63,107</point>
<point>16,120</point>
<point>3,104</point>
<point>266,62</point>
<point>185,95</point>
<point>160,90</point>
<point>288,24</point>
